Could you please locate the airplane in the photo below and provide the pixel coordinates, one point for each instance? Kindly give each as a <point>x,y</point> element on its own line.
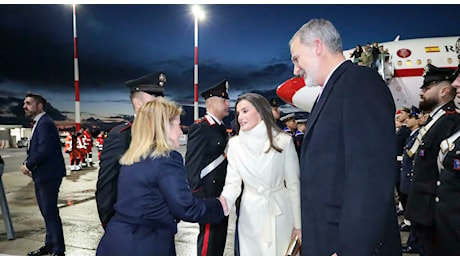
<point>403,70</point>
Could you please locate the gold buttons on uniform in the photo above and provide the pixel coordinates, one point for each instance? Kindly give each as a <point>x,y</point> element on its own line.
<point>436,199</point>
<point>438,183</point>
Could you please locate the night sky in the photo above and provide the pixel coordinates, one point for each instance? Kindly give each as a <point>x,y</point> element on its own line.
<point>245,44</point>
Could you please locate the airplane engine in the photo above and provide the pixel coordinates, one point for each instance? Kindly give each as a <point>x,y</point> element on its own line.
<point>294,92</point>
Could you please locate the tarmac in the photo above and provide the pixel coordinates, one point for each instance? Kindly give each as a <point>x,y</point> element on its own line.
<point>81,225</point>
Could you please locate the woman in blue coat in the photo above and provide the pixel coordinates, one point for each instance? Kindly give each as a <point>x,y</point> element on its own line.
<point>153,193</point>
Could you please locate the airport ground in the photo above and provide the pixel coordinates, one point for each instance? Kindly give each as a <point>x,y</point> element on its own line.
<point>82,229</point>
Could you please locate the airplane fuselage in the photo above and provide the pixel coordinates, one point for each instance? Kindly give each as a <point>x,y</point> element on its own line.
<point>403,70</point>
<point>407,60</point>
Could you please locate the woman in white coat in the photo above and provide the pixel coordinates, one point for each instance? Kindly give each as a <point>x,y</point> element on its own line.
<point>262,158</point>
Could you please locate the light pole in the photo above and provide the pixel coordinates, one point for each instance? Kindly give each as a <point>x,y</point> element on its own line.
<point>76,77</point>
<point>198,13</point>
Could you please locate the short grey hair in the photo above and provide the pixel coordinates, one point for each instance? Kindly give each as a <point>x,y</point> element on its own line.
<point>321,29</point>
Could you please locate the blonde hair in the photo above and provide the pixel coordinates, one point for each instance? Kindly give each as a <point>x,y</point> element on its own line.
<point>150,131</point>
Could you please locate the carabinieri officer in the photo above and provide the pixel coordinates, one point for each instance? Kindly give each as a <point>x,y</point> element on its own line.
<point>206,165</point>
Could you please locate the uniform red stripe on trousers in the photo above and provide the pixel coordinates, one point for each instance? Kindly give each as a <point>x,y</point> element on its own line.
<point>204,250</point>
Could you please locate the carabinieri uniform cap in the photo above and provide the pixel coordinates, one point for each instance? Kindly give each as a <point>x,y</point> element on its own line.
<point>433,74</point>
<point>301,121</point>
<point>219,90</point>
<point>152,83</point>
<point>415,112</point>
<point>288,117</point>
<point>274,102</point>
<point>405,109</point>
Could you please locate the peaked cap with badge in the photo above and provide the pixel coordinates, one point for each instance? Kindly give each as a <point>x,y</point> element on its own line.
<point>218,90</point>
<point>152,83</point>
<point>405,109</point>
<point>288,117</point>
<point>301,121</point>
<point>433,74</point>
<point>274,102</point>
<point>415,112</point>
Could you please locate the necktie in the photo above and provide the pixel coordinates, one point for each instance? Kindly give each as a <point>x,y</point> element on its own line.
<point>33,123</point>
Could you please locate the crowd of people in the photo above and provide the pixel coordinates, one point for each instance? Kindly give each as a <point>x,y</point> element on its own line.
<point>327,182</point>
<point>79,147</point>
<point>427,186</point>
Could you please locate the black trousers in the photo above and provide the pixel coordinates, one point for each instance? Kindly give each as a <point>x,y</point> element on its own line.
<point>427,238</point>
<point>47,200</point>
<point>212,238</point>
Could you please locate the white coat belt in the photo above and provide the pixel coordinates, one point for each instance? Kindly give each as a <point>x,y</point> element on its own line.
<point>273,206</point>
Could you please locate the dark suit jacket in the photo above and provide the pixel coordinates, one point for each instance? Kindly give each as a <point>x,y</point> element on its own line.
<point>115,145</point>
<point>348,168</point>
<point>205,143</point>
<point>421,201</point>
<point>44,155</point>
<point>153,195</point>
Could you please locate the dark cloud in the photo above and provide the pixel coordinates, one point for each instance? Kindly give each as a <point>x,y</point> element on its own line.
<point>246,44</point>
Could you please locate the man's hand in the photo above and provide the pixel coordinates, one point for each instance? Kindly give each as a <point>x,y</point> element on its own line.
<point>223,201</point>
<point>26,171</point>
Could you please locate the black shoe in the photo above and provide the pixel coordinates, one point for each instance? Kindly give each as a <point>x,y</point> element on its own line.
<point>404,227</point>
<point>44,250</point>
<point>57,254</point>
<point>409,250</point>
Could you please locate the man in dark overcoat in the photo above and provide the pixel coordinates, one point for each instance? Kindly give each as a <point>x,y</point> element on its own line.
<point>347,191</point>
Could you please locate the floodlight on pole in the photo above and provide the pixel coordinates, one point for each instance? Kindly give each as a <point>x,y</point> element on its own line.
<point>76,75</point>
<point>198,14</point>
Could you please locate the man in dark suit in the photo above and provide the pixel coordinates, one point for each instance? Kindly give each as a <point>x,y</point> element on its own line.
<point>45,165</point>
<point>142,90</point>
<point>437,96</point>
<point>206,164</point>
<point>347,161</point>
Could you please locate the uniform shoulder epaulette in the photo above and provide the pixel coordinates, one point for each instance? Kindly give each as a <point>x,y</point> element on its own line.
<point>121,127</point>
<point>199,120</point>
<point>451,109</point>
<point>209,119</point>
<point>127,126</point>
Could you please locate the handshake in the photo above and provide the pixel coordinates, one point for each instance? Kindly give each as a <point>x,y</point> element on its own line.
<point>223,201</point>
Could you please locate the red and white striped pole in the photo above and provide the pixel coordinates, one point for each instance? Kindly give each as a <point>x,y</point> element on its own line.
<point>76,77</point>
<point>195,117</point>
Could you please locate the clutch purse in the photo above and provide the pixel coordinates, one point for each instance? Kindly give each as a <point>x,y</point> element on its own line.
<point>293,247</point>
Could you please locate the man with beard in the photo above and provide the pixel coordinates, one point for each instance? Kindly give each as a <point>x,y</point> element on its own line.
<point>447,209</point>
<point>437,96</point>
<point>347,175</point>
<point>45,165</point>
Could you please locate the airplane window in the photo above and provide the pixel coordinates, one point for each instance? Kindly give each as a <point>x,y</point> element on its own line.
<point>428,61</point>
<point>419,61</point>
<point>399,63</point>
<point>449,60</point>
<point>408,63</point>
